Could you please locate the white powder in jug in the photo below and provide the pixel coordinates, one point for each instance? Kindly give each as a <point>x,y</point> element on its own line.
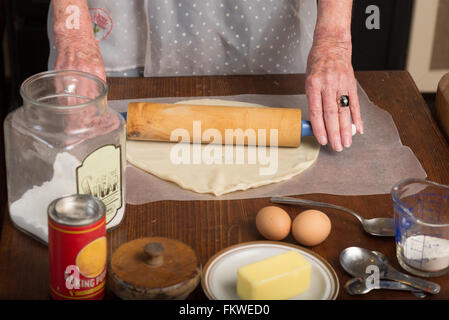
<point>30,211</point>
<point>426,253</point>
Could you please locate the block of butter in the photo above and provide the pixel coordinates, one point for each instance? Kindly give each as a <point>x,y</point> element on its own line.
<point>276,278</point>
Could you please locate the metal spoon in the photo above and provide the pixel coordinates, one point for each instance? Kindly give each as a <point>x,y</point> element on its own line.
<point>357,286</point>
<point>356,260</point>
<point>376,226</point>
<point>416,293</point>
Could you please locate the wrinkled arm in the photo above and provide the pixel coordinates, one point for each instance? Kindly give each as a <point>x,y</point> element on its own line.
<point>334,22</point>
<point>75,43</point>
<point>330,75</point>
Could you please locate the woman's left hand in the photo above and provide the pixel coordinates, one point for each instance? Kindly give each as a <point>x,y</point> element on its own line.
<point>329,76</point>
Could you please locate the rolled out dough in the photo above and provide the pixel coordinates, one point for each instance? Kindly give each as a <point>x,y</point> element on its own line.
<point>219,179</point>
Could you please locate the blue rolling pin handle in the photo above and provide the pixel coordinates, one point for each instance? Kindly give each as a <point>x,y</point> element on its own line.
<point>306,128</point>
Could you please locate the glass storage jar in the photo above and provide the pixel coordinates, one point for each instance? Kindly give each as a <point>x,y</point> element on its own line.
<point>63,140</point>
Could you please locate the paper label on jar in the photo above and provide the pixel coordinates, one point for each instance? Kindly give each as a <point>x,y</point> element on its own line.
<point>99,175</point>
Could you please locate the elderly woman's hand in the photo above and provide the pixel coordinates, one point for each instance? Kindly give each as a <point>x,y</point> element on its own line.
<point>75,43</point>
<point>79,52</point>
<point>330,76</point>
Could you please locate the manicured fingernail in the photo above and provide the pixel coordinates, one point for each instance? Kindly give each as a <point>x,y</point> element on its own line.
<point>346,141</point>
<point>323,140</point>
<point>338,146</point>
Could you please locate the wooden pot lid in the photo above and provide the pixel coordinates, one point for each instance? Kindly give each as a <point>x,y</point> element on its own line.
<point>154,268</point>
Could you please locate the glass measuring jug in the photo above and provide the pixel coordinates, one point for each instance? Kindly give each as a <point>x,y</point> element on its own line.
<point>421,217</point>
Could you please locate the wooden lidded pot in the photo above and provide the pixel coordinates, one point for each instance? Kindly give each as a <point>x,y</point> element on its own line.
<point>154,268</point>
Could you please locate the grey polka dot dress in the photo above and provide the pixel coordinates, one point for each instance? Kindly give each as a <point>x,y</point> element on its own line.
<point>205,37</point>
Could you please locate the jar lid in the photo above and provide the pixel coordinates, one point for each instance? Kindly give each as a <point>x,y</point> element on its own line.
<point>154,268</point>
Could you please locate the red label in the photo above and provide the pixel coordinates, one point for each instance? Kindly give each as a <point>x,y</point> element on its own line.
<point>77,260</point>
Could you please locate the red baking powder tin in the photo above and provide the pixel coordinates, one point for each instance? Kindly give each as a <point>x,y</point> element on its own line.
<point>77,247</point>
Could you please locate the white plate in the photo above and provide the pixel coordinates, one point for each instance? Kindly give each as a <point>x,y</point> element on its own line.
<point>219,279</point>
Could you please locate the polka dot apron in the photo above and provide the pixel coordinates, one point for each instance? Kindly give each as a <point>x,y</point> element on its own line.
<point>202,37</point>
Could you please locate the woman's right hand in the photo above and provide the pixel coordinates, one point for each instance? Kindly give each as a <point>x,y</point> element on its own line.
<point>79,52</point>
<point>77,49</point>
<point>75,43</point>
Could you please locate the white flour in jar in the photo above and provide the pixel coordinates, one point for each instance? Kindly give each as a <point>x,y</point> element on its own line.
<point>426,253</point>
<point>30,211</point>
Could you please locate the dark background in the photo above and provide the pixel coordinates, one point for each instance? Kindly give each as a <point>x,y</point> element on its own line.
<point>23,24</point>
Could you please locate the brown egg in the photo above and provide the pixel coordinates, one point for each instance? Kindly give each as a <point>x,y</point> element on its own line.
<point>273,223</point>
<point>311,227</point>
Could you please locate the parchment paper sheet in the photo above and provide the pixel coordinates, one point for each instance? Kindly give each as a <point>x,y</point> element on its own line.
<point>376,161</point>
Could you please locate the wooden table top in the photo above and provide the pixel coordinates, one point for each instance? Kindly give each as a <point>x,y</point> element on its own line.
<point>209,226</point>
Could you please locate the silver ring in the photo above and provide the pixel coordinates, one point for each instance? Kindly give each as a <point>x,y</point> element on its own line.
<point>343,101</point>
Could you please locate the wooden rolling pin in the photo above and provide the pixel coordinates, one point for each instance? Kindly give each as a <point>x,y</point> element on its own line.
<point>157,121</point>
